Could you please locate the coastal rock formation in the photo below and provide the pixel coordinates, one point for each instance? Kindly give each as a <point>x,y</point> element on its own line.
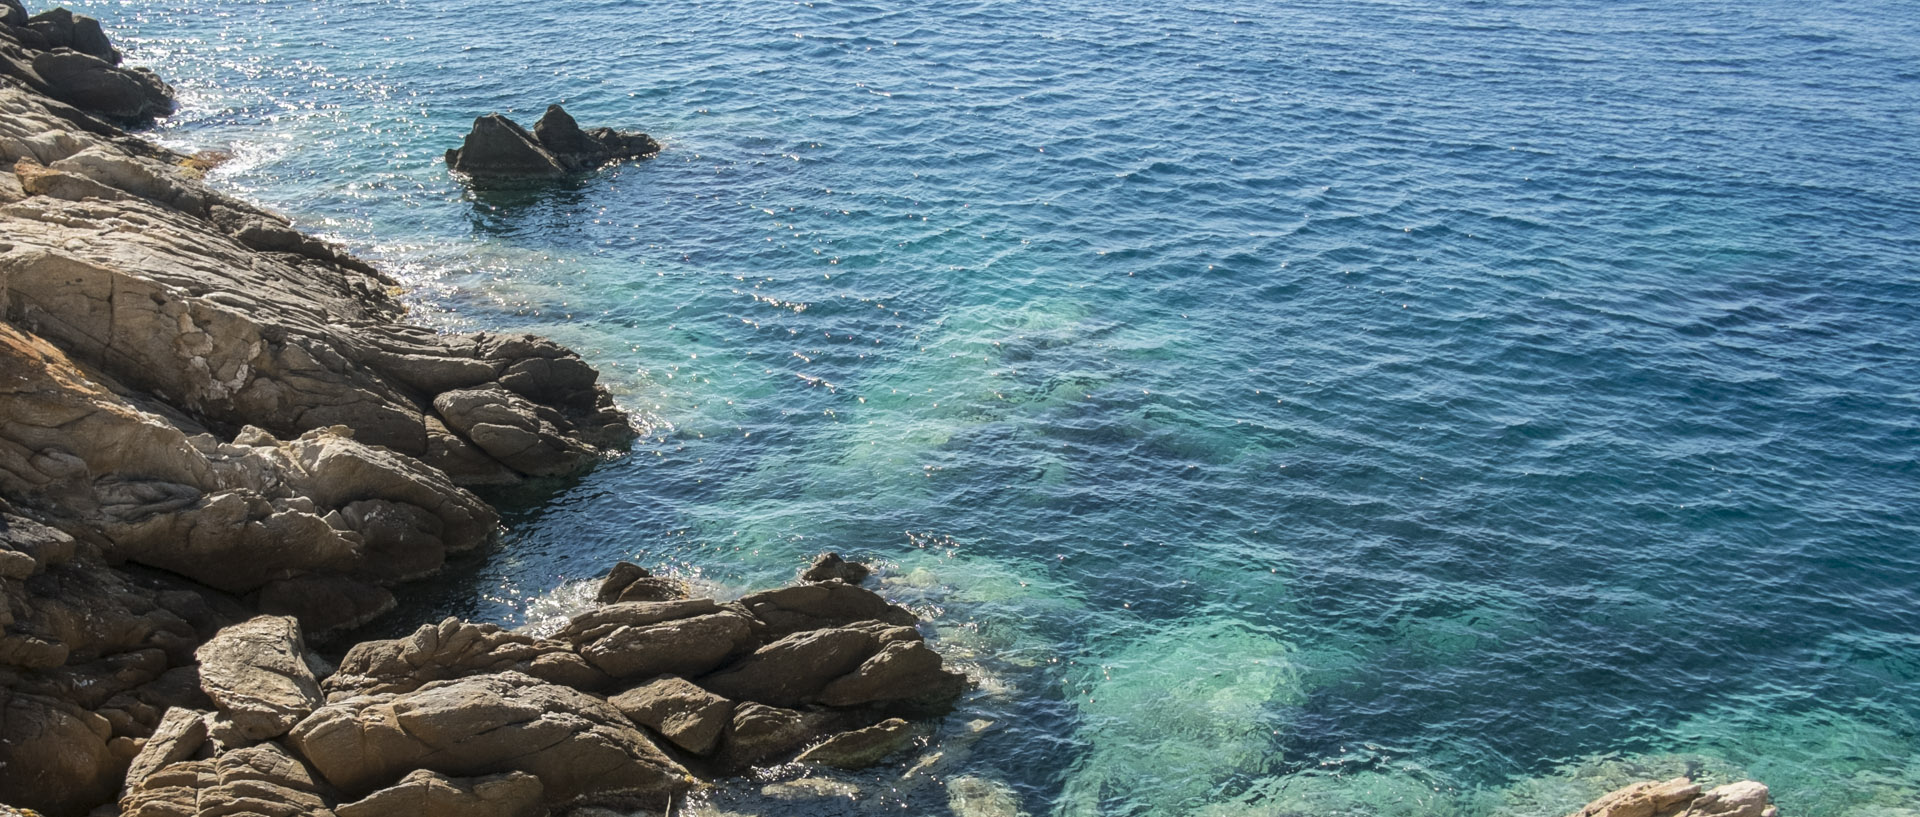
<point>66,57</point>
<point>498,147</point>
<point>218,441</point>
<point>1681,797</point>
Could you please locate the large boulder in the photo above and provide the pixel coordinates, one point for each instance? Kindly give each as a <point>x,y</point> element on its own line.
<point>432,794</point>
<point>577,745</point>
<point>498,147</point>
<point>258,674</point>
<point>691,717</point>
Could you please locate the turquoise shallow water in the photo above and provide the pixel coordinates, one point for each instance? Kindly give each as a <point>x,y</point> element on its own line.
<point>1283,408</point>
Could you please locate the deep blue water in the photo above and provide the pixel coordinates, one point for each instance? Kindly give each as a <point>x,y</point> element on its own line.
<point>1331,407</point>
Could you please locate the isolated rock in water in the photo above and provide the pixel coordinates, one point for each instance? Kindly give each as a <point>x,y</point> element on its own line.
<point>861,748</point>
<point>497,147</point>
<point>578,745</point>
<point>829,567</point>
<point>585,150</point>
<point>691,717</point>
<point>432,794</point>
<point>262,779</point>
<point>257,674</point>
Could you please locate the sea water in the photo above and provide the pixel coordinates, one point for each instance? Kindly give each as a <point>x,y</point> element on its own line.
<point>1360,407</point>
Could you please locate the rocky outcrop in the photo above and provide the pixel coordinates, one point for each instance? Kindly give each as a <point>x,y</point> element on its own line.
<point>462,717</point>
<point>66,57</point>
<point>218,440</point>
<point>497,147</point>
<point>1681,797</point>
<point>206,415</point>
<point>576,744</point>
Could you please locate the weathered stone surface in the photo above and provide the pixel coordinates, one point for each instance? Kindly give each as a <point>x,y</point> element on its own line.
<point>691,717</point>
<point>823,604</point>
<point>235,517</point>
<point>901,671</point>
<point>761,734</point>
<point>597,623</point>
<point>454,649</point>
<point>1681,797</point>
<point>180,734</point>
<point>1644,799</point>
<point>791,671</point>
<point>576,744</point>
<point>431,794</point>
<point>685,647</point>
<point>830,567</point>
<point>263,780</point>
<point>861,748</point>
<point>1747,798</point>
<point>55,755</point>
<point>258,674</point>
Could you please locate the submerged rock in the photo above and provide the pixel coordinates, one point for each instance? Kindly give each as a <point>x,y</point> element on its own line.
<point>499,147</point>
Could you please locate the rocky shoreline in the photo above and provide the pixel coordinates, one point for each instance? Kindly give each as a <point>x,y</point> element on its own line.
<point>219,439</point>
